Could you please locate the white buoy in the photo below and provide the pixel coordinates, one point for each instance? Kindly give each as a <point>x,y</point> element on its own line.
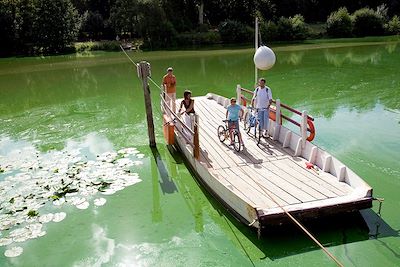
<point>264,58</point>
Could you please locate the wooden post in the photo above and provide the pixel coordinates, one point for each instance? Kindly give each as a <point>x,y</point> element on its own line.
<point>239,94</point>
<point>303,128</point>
<point>278,120</point>
<point>196,144</point>
<point>143,73</point>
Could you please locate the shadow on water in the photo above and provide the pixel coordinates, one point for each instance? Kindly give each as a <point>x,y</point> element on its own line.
<point>167,185</point>
<point>282,241</point>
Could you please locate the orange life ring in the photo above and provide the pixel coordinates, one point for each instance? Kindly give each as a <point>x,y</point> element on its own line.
<point>312,130</point>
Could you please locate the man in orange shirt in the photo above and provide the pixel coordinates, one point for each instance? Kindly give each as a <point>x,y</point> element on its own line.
<point>169,85</point>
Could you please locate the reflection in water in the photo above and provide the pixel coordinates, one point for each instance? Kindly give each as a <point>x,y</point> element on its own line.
<point>391,47</point>
<point>294,58</point>
<point>352,57</point>
<point>102,248</point>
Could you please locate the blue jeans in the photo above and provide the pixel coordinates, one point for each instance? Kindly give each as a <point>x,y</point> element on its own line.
<point>263,118</point>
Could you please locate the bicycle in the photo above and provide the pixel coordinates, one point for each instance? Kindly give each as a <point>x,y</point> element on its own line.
<point>223,134</point>
<point>250,121</point>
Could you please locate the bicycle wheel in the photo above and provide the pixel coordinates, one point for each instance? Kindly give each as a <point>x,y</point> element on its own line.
<point>236,141</point>
<point>221,133</point>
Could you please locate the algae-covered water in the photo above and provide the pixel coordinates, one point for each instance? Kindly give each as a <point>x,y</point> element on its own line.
<point>59,114</point>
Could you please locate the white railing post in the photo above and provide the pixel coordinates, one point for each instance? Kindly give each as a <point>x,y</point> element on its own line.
<point>303,128</point>
<point>239,94</point>
<point>278,121</point>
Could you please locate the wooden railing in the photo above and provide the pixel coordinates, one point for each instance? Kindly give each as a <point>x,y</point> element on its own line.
<point>306,121</point>
<point>177,120</point>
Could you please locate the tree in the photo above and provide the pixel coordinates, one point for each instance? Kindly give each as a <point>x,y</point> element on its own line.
<point>92,24</point>
<point>157,33</point>
<point>8,28</point>
<point>56,25</point>
<point>124,17</point>
<point>367,22</point>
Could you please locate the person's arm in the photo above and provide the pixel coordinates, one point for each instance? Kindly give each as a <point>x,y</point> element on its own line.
<point>180,108</point>
<point>270,96</point>
<point>241,113</point>
<point>254,97</point>
<point>226,115</point>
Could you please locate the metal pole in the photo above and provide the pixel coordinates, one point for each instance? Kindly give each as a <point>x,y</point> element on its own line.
<point>256,47</point>
<point>143,72</point>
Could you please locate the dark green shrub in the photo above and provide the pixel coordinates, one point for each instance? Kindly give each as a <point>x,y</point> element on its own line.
<point>339,23</point>
<point>393,26</point>
<point>269,31</point>
<point>290,29</point>
<point>92,24</point>
<point>199,38</point>
<point>299,27</point>
<point>367,22</point>
<point>235,32</point>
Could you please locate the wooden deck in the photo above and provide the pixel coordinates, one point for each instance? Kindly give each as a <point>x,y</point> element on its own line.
<point>247,180</point>
<point>267,165</point>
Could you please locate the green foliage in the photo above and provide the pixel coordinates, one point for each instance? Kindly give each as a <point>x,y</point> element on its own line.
<point>123,17</point>
<point>393,26</point>
<point>92,24</point>
<point>56,25</point>
<point>235,32</point>
<point>367,22</point>
<point>198,38</point>
<point>299,27</point>
<point>157,33</point>
<point>33,213</point>
<point>339,23</point>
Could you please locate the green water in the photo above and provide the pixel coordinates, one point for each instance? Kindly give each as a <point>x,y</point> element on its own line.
<point>95,102</point>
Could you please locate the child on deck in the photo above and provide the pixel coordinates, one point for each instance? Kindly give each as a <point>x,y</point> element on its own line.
<point>232,114</point>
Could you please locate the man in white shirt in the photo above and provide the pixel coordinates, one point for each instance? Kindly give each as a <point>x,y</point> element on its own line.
<point>262,97</point>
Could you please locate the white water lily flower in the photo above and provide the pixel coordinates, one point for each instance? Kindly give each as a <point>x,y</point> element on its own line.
<point>58,217</point>
<point>100,201</point>
<point>5,241</point>
<point>13,252</point>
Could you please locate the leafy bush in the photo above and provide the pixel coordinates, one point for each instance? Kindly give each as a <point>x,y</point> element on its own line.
<point>235,32</point>
<point>339,23</point>
<point>367,22</point>
<point>393,26</point>
<point>92,24</point>
<point>199,38</point>
<point>269,31</point>
<point>286,29</point>
<point>299,27</point>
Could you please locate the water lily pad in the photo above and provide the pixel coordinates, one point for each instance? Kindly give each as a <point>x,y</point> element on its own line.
<point>13,252</point>
<point>5,241</point>
<point>46,218</point>
<point>100,201</point>
<point>58,217</point>
<point>83,205</point>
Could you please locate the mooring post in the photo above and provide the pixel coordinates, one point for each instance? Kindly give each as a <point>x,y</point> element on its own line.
<point>143,73</point>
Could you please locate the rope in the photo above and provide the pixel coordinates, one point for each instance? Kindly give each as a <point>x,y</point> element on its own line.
<point>302,228</point>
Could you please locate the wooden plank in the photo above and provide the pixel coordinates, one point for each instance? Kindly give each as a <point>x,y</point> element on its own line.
<point>278,190</point>
<point>256,196</point>
<point>326,178</point>
<point>299,186</point>
<point>296,174</point>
